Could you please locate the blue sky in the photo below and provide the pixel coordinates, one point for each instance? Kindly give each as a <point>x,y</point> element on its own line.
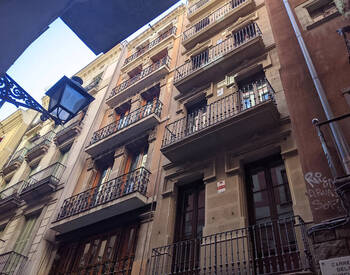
<point>57,52</point>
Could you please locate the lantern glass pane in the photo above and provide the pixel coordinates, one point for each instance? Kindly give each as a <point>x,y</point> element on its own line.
<point>54,98</point>
<point>60,114</point>
<point>72,100</point>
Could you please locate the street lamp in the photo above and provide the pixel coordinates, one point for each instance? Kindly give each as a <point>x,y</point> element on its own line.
<point>67,98</point>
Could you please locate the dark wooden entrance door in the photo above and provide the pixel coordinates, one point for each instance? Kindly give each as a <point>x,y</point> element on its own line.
<point>107,253</point>
<point>271,217</point>
<point>189,228</point>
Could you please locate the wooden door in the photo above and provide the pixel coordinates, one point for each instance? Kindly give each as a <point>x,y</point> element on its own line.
<point>189,228</point>
<point>271,217</point>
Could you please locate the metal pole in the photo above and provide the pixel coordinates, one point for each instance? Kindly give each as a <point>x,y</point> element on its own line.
<point>339,139</point>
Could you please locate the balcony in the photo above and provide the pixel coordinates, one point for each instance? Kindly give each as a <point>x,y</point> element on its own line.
<point>13,164</point>
<point>9,199</point>
<point>273,247</point>
<point>213,63</point>
<point>130,126</point>
<point>195,7</point>
<point>159,40</point>
<point>41,183</point>
<point>114,197</point>
<point>229,120</point>
<point>65,138</point>
<point>12,263</point>
<point>38,148</point>
<point>147,76</point>
<point>214,22</point>
<point>94,83</point>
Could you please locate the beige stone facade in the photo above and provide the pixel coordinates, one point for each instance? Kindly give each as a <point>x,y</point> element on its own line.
<point>185,162</point>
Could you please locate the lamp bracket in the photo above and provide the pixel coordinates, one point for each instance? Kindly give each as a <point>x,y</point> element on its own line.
<point>13,93</point>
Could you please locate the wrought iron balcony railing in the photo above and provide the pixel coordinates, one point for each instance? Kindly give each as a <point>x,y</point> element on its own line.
<point>144,73</point>
<point>45,139</point>
<point>122,265</point>
<point>212,18</point>
<point>135,181</point>
<point>93,83</point>
<point>238,39</point>
<point>151,108</point>
<point>16,157</point>
<point>150,45</point>
<point>272,247</point>
<point>10,191</point>
<point>52,173</point>
<point>230,106</point>
<point>196,6</point>
<point>12,263</point>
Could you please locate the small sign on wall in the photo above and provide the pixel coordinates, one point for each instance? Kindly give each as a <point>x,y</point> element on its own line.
<point>220,92</point>
<point>221,186</point>
<point>336,266</point>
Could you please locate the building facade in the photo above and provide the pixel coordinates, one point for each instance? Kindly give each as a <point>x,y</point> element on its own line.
<point>323,94</point>
<point>104,225</point>
<point>197,156</point>
<point>232,198</point>
<point>35,177</point>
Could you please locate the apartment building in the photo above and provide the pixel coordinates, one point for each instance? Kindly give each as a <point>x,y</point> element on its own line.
<point>104,224</point>
<point>232,198</point>
<point>36,177</point>
<point>323,146</point>
<point>12,129</point>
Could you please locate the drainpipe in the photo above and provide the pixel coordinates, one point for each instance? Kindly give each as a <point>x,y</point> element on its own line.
<point>339,139</point>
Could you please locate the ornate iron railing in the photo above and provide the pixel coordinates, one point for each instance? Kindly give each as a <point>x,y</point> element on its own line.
<point>150,45</point>
<point>246,97</point>
<point>143,74</point>
<point>17,157</point>
<point>151,108</point>
<point>121,266</point>
<point>196,6</point>
<point>53,172</point>
<point>10,191</point>
<point>212,18</point>
<point>12,263</point>
<point>135,181</point>
<point>45,139</point>
<point>93,83</point>
<point>205,58</point>
<point>272,247</point>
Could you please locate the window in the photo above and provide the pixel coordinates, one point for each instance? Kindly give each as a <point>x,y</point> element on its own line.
<point>253,90</point>
<point>197,116</point>
<point>321,9</point>
<point>26,234</point>
<point>191,211</point>
<point>108,253</point>
<point>202,24</point>
<point>271,209</point>
<point>200,59</point>
<point>122,115</point>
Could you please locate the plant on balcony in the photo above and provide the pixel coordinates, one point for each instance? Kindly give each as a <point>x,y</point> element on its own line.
<point>343,6</point>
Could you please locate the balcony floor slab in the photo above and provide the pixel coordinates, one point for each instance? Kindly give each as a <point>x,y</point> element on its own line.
<point>102,212</point>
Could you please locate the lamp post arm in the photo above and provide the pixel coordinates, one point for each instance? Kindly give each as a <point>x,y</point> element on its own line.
<point>13,93</point>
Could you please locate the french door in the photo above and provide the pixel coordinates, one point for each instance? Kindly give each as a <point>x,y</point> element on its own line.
<point>271,217</point>
<point>135,160</point>
<point>107,253</point>
<point>189,228</point>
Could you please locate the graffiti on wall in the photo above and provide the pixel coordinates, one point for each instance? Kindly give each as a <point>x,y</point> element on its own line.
<point>321,192</point>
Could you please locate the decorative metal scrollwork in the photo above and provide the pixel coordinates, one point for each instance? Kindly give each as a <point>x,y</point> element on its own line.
<point>13,93</point>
